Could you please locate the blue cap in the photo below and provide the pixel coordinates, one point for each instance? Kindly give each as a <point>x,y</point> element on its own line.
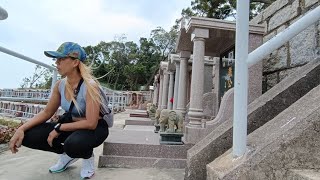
<point>68,49</point>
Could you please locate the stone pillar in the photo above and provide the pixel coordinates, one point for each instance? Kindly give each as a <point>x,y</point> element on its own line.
<point>155,91</point>
<point>176,85</point>
<point>165,89</point>
<point>171,86</point>
<point>182,95</point>
<point>195,113</point>
<point>160,92</point>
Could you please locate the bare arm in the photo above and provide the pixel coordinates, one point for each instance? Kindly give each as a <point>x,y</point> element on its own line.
<point>50,109</point>
<point>91,119</point>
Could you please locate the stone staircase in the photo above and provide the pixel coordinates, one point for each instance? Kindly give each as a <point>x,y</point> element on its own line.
<point>138,147</point>
<point>260,111</point>
<point>289,141</point>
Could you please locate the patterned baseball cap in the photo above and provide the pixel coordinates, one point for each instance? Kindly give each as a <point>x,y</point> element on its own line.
<point>68,49</point>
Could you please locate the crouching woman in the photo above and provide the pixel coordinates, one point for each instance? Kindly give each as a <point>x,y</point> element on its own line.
<point>81,128</point>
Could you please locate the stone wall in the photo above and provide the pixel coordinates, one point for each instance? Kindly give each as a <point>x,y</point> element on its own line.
<point>208,84</point>
<point>295,53</point>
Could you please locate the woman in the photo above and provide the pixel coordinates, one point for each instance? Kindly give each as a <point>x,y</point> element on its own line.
<point>82,132</point>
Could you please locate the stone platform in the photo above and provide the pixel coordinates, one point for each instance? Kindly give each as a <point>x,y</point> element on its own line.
<point>139,121</point>
<point>138,149</point>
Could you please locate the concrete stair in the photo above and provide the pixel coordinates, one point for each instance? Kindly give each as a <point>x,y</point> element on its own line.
<point>288,141</point>
<point>304,174</point>
<point>141,149</point>
<point>139,121</point>
<point>141,113</point>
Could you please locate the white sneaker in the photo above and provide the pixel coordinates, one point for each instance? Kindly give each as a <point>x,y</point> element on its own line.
<point>87,170</point>
<point>63,163</point>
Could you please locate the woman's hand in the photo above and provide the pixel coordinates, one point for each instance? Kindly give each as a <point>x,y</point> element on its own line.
<point>16,140</point>
<point>53,134</point>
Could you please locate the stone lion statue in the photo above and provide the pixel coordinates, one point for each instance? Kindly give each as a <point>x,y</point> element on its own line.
<point>173,119</point>
<point>152,111</point>
<point>148,107</point>
<point>157,116</point>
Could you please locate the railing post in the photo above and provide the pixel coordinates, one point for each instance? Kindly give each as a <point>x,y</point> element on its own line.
<point>54,79</point>
<point>112,100</point>
<point>241,79</point>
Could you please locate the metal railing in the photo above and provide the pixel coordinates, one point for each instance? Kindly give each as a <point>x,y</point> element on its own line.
<point>241,66</point>
<point>117,100</point>
<point>23,57</point>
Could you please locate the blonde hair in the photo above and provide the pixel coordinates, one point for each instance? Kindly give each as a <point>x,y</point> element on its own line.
<point>91,83</point>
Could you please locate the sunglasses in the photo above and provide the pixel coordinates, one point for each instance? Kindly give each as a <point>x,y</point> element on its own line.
<point>73,58</point>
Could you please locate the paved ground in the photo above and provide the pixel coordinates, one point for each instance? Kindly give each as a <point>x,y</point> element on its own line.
<point>30,164</point>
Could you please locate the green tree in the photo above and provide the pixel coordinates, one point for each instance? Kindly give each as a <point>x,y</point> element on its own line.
<point>125,65</point>
<point>222,9</point>
<point>165,42</point>
<point>41,79</point>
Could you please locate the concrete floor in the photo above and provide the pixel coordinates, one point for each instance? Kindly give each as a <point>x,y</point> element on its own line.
<point>30,164</point>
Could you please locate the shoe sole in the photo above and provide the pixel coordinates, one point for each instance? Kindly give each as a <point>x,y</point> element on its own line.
<point>65,167</point>
<point>88,177</point>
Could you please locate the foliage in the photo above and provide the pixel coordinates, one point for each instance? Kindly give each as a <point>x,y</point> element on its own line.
<point>7,129</point>
<point>120,64</point>
<point>41,79</point>
<point>222,9</point>
<point>126,65</point>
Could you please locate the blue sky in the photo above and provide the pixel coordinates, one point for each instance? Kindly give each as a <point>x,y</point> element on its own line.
<point>37,25</point>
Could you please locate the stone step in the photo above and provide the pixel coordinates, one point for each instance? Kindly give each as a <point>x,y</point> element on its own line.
<point>304,174</point>
<point>137,148</point>
<point>140,162</point>
<point>141,144</point>
<point>143,115</point>
<point>139,128</point>
<point>146,150</point>
<point>139,121</point>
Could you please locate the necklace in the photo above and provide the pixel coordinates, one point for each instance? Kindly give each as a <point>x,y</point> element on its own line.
<point>75,91</point>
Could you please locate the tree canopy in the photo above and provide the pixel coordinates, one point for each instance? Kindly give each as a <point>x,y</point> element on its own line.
<point>127,65</point>
<point>221,9</point>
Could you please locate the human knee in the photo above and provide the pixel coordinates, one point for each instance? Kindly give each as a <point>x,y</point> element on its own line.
<point>75,148</point>
<point>31,137</point>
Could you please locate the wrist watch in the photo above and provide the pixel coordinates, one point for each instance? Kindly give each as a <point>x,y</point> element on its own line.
<point>57,128</point>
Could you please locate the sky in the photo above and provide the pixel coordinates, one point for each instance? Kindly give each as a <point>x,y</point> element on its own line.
<point>34,26</point>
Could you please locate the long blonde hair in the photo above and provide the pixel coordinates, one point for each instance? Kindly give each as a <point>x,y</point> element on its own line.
<point>91,83</point>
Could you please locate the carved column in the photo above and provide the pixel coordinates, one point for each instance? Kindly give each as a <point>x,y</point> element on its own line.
<point>197,80</point>
<point>182,96</point>
<point>176,84</point>
<point>171,86</point>
<point>160,90</point>
<point>164,100</point>
<point>155,90</point>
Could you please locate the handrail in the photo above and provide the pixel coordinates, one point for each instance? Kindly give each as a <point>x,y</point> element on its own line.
<point>20,56</point>
<point>284,36</point>
<point>23,57</point>
<point>241,80</point>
